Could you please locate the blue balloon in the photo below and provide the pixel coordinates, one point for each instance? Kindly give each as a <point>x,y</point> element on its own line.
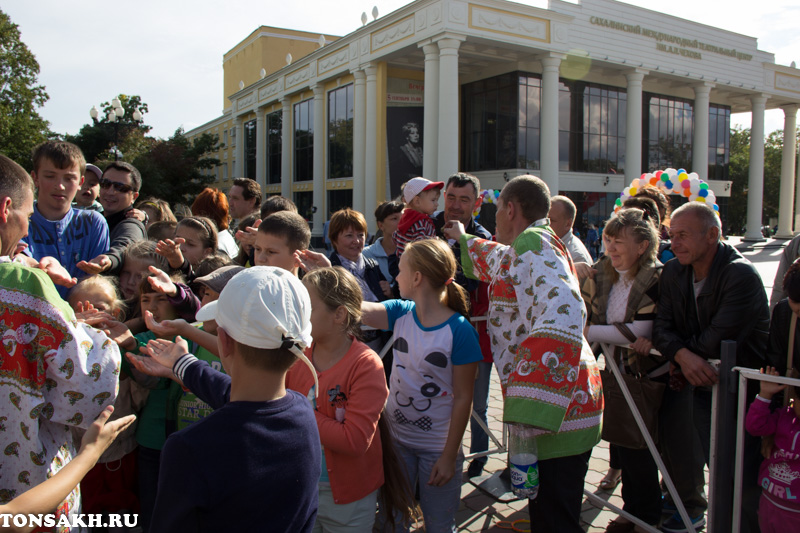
<point>716,207</point>
<point>668,184</point>
<point>702,192</point>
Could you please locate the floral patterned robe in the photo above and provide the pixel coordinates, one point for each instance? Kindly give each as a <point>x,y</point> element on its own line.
<point>549,375</point>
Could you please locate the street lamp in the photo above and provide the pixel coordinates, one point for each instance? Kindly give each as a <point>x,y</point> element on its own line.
<point>114,116</point>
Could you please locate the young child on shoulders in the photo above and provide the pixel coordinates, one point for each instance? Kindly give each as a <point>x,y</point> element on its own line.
<point>436,352</point>
<point>422,200</point>
<point>779,475</point>
<point>352,393</point>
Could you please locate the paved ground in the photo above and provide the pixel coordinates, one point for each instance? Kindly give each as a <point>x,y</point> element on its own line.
<point>481,512</point>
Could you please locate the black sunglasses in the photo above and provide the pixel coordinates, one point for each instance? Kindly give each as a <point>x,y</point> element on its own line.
<point>119,187</point>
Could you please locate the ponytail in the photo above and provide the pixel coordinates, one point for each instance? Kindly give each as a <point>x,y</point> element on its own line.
<point>457,299</point>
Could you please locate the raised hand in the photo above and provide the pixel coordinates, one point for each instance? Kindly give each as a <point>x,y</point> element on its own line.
<point>99,264</point>
<point>166,352</point>
<point>311,260</point>
<point>165,328</point>
<point>769,389</point>
<point>171,250</point>
<point>102,433</point>
<point>454,230</point>
<point>149,366</point>
<point>248,236</point>
<point>160,281</point>
<point>56,272</point>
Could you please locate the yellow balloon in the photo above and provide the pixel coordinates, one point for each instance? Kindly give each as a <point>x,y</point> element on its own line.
<point>633,191</point>
<point>700,199</point>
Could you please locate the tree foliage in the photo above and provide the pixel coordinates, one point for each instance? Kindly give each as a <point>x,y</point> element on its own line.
<point>172,168</point>
<point>21,126</point>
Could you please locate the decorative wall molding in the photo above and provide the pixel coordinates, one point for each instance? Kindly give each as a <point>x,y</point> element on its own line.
<point>298,76</point>
<point>507,23</point>
<point>787,82</point>
<point>332,61</point>
<point>270,90</point>
<point>245,102</point>
<point>399,31</point>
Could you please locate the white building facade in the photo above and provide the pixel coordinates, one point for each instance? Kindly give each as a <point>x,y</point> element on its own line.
<point>586,96</point>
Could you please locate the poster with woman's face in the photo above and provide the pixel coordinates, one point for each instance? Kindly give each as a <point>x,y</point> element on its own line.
<point>404,122</point>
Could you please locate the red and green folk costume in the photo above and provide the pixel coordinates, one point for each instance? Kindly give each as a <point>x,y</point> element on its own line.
<point>536,317</point>
<point>55,373</point>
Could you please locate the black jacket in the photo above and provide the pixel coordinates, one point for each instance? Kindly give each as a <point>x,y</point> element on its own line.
<point>472,229</point>
<point>778,348</point>
<point>732,305</point>
<point>122,232</point>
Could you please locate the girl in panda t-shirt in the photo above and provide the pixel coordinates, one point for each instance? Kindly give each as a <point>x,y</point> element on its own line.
<point>436,352</point>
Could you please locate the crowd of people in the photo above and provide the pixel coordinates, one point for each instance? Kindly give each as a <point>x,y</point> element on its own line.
<point>205,369</point>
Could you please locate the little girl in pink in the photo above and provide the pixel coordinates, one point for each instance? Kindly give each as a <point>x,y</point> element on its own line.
<point>779,475</point>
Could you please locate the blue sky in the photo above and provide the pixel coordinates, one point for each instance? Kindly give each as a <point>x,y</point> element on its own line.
<point>170,52</point>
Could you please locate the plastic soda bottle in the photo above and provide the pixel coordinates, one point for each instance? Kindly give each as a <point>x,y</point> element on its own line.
<point>523,460</point>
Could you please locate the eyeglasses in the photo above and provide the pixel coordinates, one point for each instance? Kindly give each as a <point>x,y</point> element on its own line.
<point>119,187</point>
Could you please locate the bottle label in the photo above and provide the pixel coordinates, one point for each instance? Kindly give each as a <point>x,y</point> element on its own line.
<point>524,471</point>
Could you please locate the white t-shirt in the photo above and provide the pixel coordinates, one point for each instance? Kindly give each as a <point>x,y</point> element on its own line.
<point>227,244</point>
<point>421,389</point>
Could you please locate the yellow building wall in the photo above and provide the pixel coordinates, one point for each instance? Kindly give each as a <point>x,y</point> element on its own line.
<point>265,48</point>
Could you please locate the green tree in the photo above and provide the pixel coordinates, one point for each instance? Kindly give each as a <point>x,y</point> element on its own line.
<point>97,139</point>
<point>21,126</point>
<point>739,173</point>
<point>172,168</point>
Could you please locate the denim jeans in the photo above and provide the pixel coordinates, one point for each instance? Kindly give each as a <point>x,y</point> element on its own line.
<point>439,504</point>
<point>479,440</point>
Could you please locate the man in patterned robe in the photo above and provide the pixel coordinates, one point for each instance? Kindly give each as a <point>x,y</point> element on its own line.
<point>54,372</point>
<point>549,375</point>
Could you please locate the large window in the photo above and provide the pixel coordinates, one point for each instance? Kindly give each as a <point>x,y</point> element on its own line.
<point>274,146</point>
<point>597,118</point>
<point>490,122</point>
<point>304,202</point>
<point>339,199</point>
<point>340,132</point>
<point>667,132</point>
<point>304,141</point>
<point>719,142</point>
<point>250,149</point>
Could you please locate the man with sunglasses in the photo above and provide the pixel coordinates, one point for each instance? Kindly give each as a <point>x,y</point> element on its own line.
<point>119,188</point>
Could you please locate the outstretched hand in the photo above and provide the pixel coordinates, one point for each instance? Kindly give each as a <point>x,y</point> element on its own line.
<point>98,265</point>
<point>160,281</point>
<point>171,250</point>
<point>165,352</point>
<point>311,260</point>
<point>102,433</point>
<point>165,328</point>
<point>149,366</point>
<point>248,236</point>
<point>56,272</point>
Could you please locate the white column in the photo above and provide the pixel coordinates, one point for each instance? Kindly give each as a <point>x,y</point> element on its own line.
<point>785,210</point>
<point>359,139</point>
<point>261,149</point>
<point>633,125</point>
<point>371,149</point>
<point>319,159</point>
<point>548,126</point>
<point>755,184</point>
<point>702,95</point>
<point>448,108</point>
<point>797,195</point>
<point>238,152</point>
<point>430,133</point>
<point>286,148</point>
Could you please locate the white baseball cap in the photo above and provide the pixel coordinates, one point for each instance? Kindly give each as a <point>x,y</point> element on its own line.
<point>414,186</point>
<point>96,170</point>
<point>263,307</point>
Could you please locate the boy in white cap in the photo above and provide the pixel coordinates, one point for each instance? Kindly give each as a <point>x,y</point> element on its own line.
<point>254,463</point>
<point>422,200</point>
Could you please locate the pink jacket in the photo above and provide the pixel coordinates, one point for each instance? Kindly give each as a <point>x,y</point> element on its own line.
<point>779,476</point>
<point>356,386</point>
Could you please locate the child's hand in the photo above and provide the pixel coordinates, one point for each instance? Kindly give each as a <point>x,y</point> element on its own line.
<point>311,260</point>
<point>116,331</point>
<point>171,250</point>
<point>57,273</point>
<point>248,236</point>
<point>165,328</point>
<point>166,352</point>
<point>149,366</point>
<point>454,230</point>
<point>100,434</point>
<point>99,264</point>
<point>769,389</point>
<point>90,315</point>
<point>442,472</point>
<point>141,216</point>
<point>160,281</point>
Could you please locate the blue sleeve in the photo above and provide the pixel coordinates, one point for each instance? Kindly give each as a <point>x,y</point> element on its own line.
<point>466,348</point>
<point>99,234</point>
<point>395,309</point>
<point>209,385</point>
<point>181,492</point>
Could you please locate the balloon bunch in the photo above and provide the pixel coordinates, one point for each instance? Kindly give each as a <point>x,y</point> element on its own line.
<point>671,181</point>
<point>488,196</point>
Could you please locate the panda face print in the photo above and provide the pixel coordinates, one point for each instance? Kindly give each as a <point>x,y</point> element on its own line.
<point>436,362</point>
